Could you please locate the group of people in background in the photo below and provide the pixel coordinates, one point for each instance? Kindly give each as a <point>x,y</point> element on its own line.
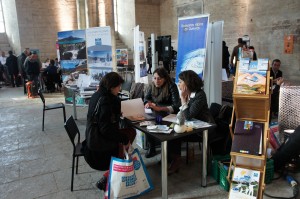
<point>17,71</point>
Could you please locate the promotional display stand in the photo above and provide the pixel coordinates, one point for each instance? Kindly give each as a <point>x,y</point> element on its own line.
<point>254,108</point>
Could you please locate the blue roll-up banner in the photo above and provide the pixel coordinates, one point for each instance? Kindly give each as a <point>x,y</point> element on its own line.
<point>192,42</point>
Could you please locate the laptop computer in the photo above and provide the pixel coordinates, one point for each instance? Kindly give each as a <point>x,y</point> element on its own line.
<point>134,110</point>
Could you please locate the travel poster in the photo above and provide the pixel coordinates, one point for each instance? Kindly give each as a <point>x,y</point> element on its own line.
<point>192,42</point>
<point>99,52</point>
<point>122,56</point>
<point>143,65</point>
<point>72,51</point>
<point>71,44</point>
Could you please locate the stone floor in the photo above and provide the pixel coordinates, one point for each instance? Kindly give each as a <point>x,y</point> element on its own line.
<point>37,164</point>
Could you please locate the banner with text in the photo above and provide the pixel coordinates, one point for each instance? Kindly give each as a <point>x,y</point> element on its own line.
<point>99,52</point>
<point>192,42</point>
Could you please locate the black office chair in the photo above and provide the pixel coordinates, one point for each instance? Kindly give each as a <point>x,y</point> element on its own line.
<point>222,125</point>
<point>50,107</point>
<point>73,131</point>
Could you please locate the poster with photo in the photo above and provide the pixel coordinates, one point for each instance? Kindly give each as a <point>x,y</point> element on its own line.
<point>72,52</point>
<point>192,43</point>
<point>142,55</point>
<point>71,45</point>
<point>122,56</point>
<point>99,52</point>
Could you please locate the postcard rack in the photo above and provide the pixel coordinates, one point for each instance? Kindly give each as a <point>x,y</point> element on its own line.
<point>256,108</point>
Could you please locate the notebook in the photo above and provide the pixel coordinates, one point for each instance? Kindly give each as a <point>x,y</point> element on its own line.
<point>247,137</point>
<point>134,110</point>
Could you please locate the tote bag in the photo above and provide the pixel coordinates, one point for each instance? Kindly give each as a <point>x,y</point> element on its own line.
<point>128,177</point>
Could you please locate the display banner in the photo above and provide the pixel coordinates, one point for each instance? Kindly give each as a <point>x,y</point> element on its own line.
<point>140,56</point>
<point>72,51</point>
<point>192,42</point>
<point>72,55</point>
<point>99,53</point>
<point>213,65</point>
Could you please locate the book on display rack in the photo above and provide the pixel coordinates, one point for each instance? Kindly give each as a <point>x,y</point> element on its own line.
<point>248,138</point>
<point>251,76</point>
<point>245,184</point>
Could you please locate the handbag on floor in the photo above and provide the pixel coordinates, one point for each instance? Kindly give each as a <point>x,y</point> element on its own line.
<point>128,177</point>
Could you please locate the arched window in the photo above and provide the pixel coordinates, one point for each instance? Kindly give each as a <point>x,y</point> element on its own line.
<point>2,28</point>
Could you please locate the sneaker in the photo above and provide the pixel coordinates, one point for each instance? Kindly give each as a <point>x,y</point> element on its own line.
<point>101,184</point>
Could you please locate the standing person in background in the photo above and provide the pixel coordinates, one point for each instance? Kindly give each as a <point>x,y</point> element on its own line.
<point>173,58</point>
<point>225,58</point>
<point>277,81</point>
<point>235,55</point>
<point>4,68</point>
<point>21,61</point>
<point>13,70</point>
<point>149,60</point>
<point>32,68</point>
<point>56,62</point>
<point>254,57</point>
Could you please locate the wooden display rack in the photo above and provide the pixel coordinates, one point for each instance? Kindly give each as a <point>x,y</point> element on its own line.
<point>251,107</point>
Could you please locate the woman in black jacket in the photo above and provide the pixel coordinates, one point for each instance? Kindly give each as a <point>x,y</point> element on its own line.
<point>163,98</point>
<point>104,139</point>
<point>194,105</point>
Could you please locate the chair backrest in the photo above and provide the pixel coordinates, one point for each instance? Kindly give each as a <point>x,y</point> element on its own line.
<point>72,130</point>
<point>41,96</point>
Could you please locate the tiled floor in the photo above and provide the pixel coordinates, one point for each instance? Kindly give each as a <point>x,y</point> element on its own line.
<point>37,164</point>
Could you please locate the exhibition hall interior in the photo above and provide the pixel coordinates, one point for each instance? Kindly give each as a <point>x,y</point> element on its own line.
<point>207,92</point>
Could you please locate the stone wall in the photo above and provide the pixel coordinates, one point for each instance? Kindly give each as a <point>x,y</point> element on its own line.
<point>148,17</point>
<point>11,24</point>
<point>265,22</point>
<point>39,22</point>
<point>126,21</point>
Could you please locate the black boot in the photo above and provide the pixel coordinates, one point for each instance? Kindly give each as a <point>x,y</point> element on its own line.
<point>151,152</point>
<point>101,184</point>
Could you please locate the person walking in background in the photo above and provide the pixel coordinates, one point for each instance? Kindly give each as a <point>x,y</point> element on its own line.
<point>21,61</point>
<point>32,68</point>
<point>254,56</point>
<point>149,60</point>
<point>235,55</point>
<point>13,70</point>
<point>225,58</point>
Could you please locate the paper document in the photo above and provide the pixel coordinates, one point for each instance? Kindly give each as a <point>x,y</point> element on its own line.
<point>196,124</point>
<point>170,118</point>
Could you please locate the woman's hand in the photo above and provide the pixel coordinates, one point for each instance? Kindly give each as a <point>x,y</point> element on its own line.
<point>184,95</point>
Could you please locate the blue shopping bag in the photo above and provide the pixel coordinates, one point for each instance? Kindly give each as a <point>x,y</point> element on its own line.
<point>128,177</point>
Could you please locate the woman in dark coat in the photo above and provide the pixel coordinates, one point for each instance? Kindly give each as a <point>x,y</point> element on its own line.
<point>107,139</point>
<point>163,98</point>
<point>194,105</point>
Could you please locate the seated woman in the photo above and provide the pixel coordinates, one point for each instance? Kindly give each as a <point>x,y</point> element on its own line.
<point>194,105</point>
<point>163,98</point>
<point>105,139</point>
<point>50,73</point>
